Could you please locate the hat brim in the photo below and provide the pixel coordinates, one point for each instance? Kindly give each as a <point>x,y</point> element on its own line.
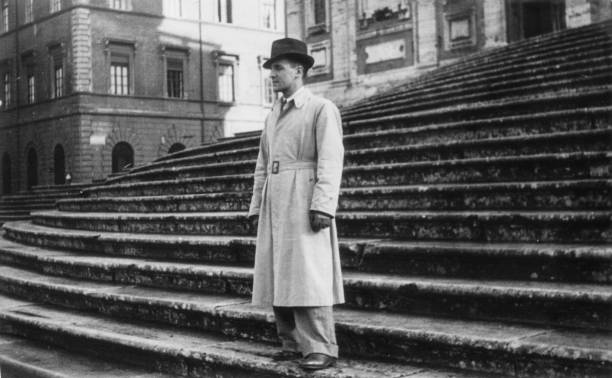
<point>306,60</point>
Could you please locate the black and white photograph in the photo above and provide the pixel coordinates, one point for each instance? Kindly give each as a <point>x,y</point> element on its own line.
<point>305,188</point>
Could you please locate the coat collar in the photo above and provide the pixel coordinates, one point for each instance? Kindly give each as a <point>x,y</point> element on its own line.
<point>300,97</point>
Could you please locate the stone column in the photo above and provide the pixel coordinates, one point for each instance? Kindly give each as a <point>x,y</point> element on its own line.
<point>427,50</point>
<point>495,23</point>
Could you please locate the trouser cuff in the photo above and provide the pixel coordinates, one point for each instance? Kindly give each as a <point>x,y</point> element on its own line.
<point>309,347</point>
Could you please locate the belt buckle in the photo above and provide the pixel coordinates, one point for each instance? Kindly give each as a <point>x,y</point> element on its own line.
<point>275,165</point>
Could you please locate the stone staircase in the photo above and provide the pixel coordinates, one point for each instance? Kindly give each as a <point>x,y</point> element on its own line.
<point>18,206</point>
<point>475,223</point>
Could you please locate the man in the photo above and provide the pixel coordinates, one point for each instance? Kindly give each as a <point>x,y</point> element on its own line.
<point>295,195</point>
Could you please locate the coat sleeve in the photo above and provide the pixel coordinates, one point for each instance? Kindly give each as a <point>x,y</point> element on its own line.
<point>260,175</point>
<point>330,156</point>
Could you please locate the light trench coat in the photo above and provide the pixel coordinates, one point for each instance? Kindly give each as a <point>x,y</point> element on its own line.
<point>299,169</point>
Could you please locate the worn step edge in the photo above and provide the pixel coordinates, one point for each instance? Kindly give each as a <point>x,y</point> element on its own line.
<point>23,358</point>
<point>486,87</point>
<point>384,336</point>
<point>575,93</point>
<point>547,262</point>
<point>489,79</point>
<point>249,165</point>
<point>502,142</point>
<point>172,350</point>
<point>473,62</point>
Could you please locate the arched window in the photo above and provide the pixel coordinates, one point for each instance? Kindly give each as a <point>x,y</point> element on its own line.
<point>176,147</point>
<point>59,165</point>
<point>6,174</point>
<point>123,157</point>
<point>32,168</point>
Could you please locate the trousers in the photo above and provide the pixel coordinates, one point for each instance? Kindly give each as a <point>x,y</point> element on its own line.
<point>307,329</point>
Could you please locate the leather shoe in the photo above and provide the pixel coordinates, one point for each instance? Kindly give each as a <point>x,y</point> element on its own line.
<point>286,355</point>
<point>317,361</point>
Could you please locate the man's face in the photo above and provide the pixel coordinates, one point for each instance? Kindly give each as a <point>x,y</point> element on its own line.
<point>284,74</point>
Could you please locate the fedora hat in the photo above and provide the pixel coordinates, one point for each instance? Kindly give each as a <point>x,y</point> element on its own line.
<point>289,48</point>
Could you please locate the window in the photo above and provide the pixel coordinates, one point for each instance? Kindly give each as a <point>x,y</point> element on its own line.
<point>319,12</point>
<point>59,165</point>
<point>120,58</point>
<point>32,168</point>
<point>269,14</point>
<point>120,75</point>
<point>57,71</point>
<point>119,4</point>
<point>224,9</point>
<point>176,147</point>
<point>31,86</point>
<point>173,8</point>
<point>6,88</point>
<point>268,95</point>
<point>122,157</point>
<point>56,6</point>
<point>6,174</point>
<point>174,78</point>
<point>226,82</point>
<point>28,11</point>
<point>5,16</point>
<point>58,89</point>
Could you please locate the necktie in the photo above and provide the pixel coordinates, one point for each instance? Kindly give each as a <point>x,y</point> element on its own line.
<point>283,103</point>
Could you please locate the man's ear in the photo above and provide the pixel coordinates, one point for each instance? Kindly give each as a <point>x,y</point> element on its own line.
<point>299,69</point>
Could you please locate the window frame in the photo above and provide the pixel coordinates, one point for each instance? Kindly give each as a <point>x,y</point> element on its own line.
<point>232,60</point>
<point>176,53</point>
<point>265,4</point>
<point>55,6</point>
<point>28,12</point>
<point>227,6</point>
<point>120,53</point>
<point>121,5</point>
<point>5,16</point>
<point>6,88</point>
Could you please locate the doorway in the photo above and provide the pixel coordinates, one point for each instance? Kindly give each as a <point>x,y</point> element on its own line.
<point>59,165</point>
<point>32,168</point>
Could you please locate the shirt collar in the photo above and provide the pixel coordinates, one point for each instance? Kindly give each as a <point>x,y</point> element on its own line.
<point>300,97</point>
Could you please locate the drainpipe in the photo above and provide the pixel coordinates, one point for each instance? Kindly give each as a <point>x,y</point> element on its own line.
<point>18,94</point>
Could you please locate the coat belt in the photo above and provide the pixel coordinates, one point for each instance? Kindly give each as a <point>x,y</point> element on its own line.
<point>290,165</point>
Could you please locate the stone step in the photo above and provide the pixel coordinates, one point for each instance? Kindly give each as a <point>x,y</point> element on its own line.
<point>595,96</point>
<point>537,123</point>
<point>562,142</point>
<point>578,165</point>
<point>172,351</point>
<point>588,142</point>
<point>567,141</point>
<point>226,145</point>
<point>476,226</point>
<point>485,347</point>
<point>548,195</point>
<point>241,154</point>
<point>22,358</point>
<point>559,304</point>
<point>509,56</point>
<point>573,166</point>
<point>13,212</point>
<point>493,261</point>
<point>588,68</point>
<point>527,124</point>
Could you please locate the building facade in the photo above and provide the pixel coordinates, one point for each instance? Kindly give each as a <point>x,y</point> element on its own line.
<point>90,87</point>
<point>362,47</point>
